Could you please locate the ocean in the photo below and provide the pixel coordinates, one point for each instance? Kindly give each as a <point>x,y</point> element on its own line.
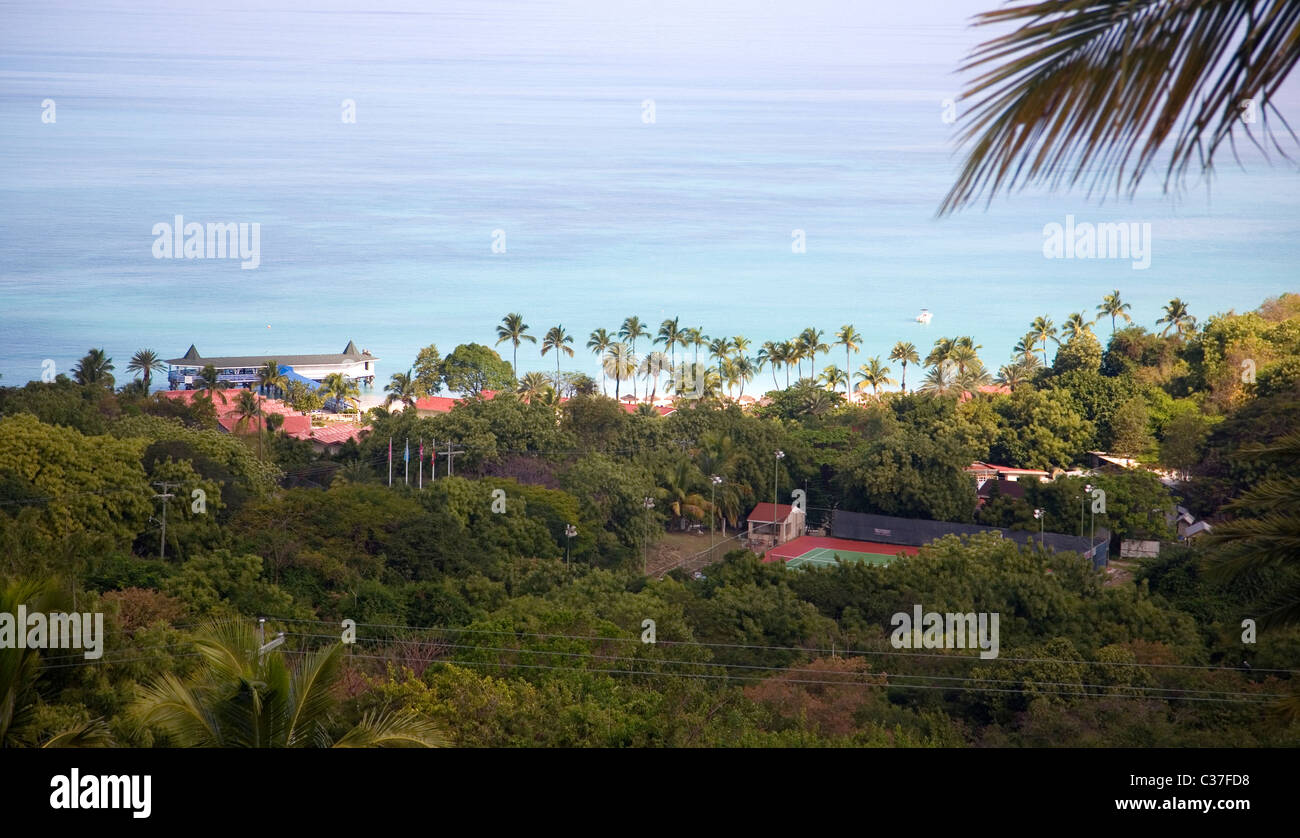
<point>656,159</point>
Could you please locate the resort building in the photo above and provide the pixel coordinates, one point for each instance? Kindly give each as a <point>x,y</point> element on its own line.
<point>241,371</point>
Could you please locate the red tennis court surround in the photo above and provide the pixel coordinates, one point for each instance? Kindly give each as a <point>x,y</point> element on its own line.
<point>804,543</point>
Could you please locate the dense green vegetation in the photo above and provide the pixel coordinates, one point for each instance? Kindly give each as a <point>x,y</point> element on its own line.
<point>496,626</point>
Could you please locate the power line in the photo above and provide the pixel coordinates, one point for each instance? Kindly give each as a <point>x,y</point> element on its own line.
<point>809,650</point>
<point>779,670</point>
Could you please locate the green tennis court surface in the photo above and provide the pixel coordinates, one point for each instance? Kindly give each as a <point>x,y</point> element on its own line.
<point>825,556</point>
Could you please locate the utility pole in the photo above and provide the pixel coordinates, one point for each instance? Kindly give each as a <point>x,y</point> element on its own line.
<point>450,455</point>
<point>569,532</point>
<point>776,466</point>
<point>165,496</point>
<point>713,509</point>
<point>648,503</point>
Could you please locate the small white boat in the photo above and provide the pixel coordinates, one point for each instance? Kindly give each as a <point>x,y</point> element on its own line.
<point>924,317</point>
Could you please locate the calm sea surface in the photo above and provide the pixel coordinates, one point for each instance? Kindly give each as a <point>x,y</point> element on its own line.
<point>529,118</point>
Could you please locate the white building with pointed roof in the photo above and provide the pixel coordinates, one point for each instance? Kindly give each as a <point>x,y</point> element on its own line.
<point>242,370</point>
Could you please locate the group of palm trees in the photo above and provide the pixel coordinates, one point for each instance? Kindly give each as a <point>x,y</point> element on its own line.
<point>953,365</point>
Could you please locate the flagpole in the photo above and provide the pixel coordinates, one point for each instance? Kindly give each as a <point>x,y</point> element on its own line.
<point>406,463</point>
<point>390,462</point>
<point>420,485</point>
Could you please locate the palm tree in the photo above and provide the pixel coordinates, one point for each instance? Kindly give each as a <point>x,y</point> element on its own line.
<point>832,376</point>
<point>556,338</point>
<point>904,351</point>
<point>963,355</point>
<point>652,366</point>
<point>768,356</point>
<point>94,370</point>
<point>851,340</point>
<point>789,354</point>
<point>599,343</point>
<point>795,353</point>
<point>679,491</point>
<point>632,329</point>
<point>740,344</point>
<point>401,387</point>
<point>146,362</point>
<point>336,385</point>
<point>973,376</point>
<point>811,339</point>
<point>1111,304</point>
<point>242,698</point>
<point>1043,329</point>
<point>1013,375</point>
<point>1091,91</point>
<point>875,375</point>
<point>1026,348</point>
<point>720,350</point>
<point>249,410</point>
<point>1075,326</point>
<point>941,380</point>
<point>514,329</point>
<point>20,670</point>
<point>670,334</point>
<point>1176,317</point>
<point>941,352</point>
<point>619,363</point>
<point>695,337</point>
<point>270,379</point>
<point>209,384</point>
<point>533,386</point>
<point>744,370</point>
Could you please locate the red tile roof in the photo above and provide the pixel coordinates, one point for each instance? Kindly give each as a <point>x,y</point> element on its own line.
<point>762,514</point>
<point>661,409</point>
<point>444,404</point>
<point>336,434</point>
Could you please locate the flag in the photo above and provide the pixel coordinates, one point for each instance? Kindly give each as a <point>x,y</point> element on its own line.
<point>406,456</point>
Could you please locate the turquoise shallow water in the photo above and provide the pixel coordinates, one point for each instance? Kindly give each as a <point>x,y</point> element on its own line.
<point>527,118</point>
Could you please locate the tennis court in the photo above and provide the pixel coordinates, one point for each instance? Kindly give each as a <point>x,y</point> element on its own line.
<point>818,551</point>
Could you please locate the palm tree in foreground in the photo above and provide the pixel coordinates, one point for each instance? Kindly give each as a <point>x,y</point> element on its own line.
<point>514,329</point>
<point>619,363</point>
<point>209,384</point>
<point>875,375</point>
<point>336,385</point>
<point>941,380</point>
<point>20,670</point>
<point>401,387</point>
<point>599,343</point>
<point>1176,317</point>
<point>558,339</point>
<point>1076,326</point>
<point>533,386</point>
<point>1043,329</point>
<point>1090,91</point>
<point>632,329</point>
<point>1112,305</point>
<point>243,699</point>
<point>851,339</point>
<point>146,362</point>
<point>670,334</point>
<point>270,379</point>
<point>1263,534</point>
<point>905,352</point>
<point>94,370</point>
